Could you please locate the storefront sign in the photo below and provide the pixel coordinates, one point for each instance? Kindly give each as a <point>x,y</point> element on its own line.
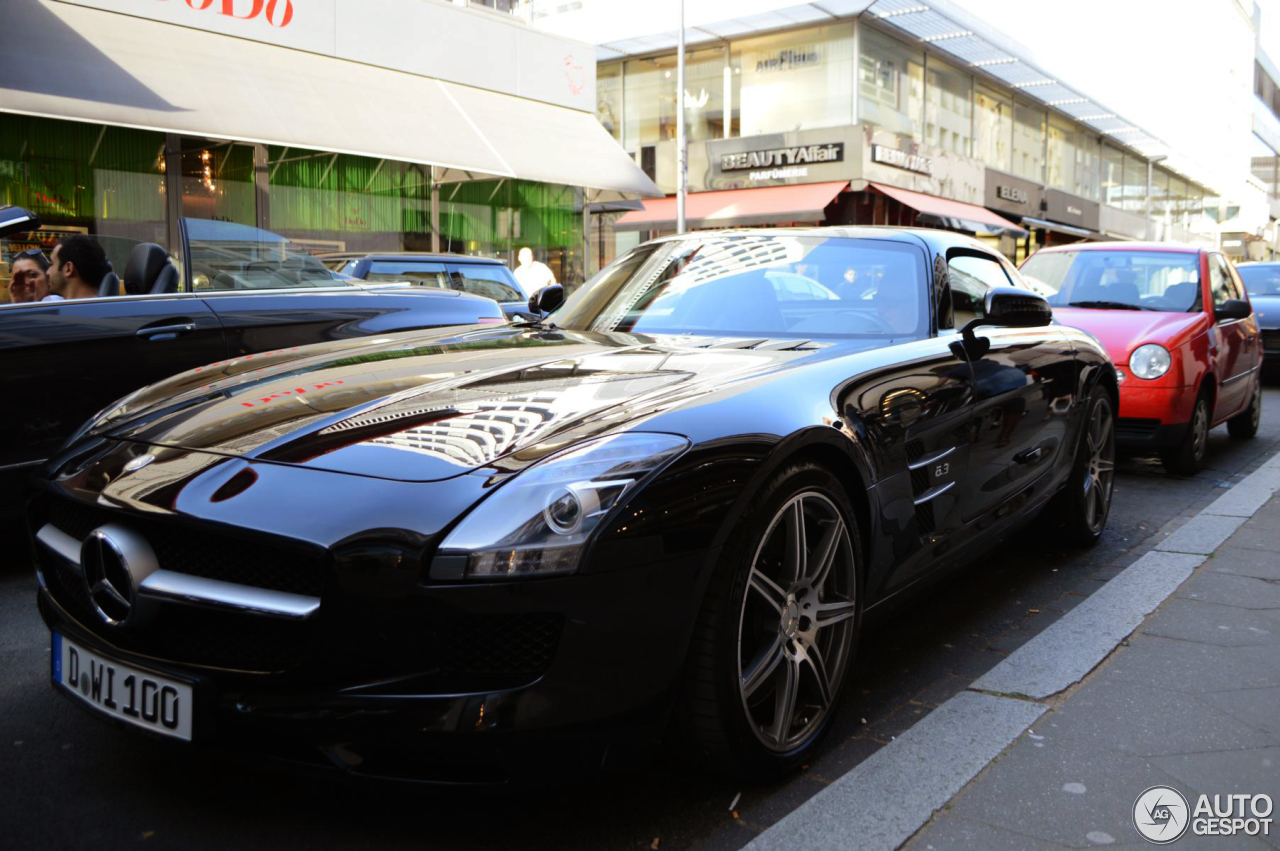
<point>1013,193</point>
<point>778,157</point>
<point>1071,209</point>
<point>785,60</point>
<point>901,159</point>
<point>300,24</point>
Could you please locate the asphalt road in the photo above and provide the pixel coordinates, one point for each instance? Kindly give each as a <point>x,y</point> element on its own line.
<point>68,781</point>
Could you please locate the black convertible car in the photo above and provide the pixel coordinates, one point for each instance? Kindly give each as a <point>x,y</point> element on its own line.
<point>669,506</point>
<point>235,292</point>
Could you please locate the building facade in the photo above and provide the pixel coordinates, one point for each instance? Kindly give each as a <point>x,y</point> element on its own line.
<point>919,115</point>
<point>325,122</point>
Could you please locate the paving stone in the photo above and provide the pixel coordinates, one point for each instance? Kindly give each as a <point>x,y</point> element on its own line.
<point>1246,497</point>
<point>1255,536</point>
<point>1111,715</point>
<point>1225,589</point>
<point>1061,794</point>
<point>1256,707</point>
<point>1192,667</point>
<point>1248,772</point>
<point>1264,564</point>
<point>952,832</point>
<point>890,795</point>
<point>1196,619</point>
<point>1070,648</point>
<point>1202,534</point>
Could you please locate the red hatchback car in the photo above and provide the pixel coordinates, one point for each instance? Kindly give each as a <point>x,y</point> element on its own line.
<point>1178,325</point>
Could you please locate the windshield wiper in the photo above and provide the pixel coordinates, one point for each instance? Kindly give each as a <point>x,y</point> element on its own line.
<point>1109,305</point>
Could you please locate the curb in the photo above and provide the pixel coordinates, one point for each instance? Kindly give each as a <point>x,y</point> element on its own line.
<point>883,801</point>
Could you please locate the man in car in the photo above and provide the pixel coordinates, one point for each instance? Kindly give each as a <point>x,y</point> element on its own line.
<point>29,279</point>
<point>79,265</point>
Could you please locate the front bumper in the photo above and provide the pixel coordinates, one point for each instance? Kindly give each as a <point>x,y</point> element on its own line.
<point>465,683</point>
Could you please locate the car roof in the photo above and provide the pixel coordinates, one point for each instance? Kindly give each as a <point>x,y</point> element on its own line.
<point>935,238</point>
<point>441,257</point>
<point>1118,245</point>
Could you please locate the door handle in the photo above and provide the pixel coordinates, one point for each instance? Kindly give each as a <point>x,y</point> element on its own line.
<point>1029,456</point>
<point>166,331</point>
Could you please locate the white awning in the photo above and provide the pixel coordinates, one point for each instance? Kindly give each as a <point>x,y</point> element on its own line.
<point>65,61</point>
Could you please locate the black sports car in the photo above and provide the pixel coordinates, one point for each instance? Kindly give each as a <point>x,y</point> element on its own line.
<point>669,505</point>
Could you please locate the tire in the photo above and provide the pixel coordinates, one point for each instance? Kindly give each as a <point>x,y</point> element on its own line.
<point>1245,424</point>
<point>1086,501</point>
<point>759,639</point>
<point>1188,456</point>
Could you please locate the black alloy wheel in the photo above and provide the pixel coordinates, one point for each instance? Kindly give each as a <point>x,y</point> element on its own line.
<point>778,629</point>
<point>1086,501</point>
<point>1245,424</point>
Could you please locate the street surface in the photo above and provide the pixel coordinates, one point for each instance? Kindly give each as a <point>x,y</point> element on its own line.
<point>73,782</point>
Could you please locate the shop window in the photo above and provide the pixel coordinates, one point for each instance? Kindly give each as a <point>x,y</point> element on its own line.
<point>993,127</point>
<point>890,84</point>
<point>948,108</point>
<point>1112,187</point>
<point>217,181</point>
<point>1028,141</point>
<point>609,98</point>
<point>1135,185</point>
<point>649,98</point>
<point>1060,164</point>
<point>794,81</point>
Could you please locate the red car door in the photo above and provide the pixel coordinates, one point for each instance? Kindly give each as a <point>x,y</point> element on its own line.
<point>1232,342</point>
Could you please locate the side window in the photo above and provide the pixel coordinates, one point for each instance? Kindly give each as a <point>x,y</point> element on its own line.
<point>1220,283</point>
<point>419,274</point>
<point>486,279</point>
<point>971,277</point>
<point>1234,287</point>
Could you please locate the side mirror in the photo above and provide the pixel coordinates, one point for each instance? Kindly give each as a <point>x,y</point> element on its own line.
<point>17,220</point>
<point>1232,309</point>
<point>546,299</point>
<point>1006,307</point>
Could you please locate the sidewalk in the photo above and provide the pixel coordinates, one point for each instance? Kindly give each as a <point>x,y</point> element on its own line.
<point>1169,675</point>
<point>1192,702</point>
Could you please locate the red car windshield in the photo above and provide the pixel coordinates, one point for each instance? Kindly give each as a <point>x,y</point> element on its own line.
<point>1117,280</point>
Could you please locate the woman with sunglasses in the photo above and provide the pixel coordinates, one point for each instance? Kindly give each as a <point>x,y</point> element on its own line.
<point>29,277</point>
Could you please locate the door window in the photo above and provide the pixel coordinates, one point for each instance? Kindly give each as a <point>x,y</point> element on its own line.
<point>971,277</point>
<point>489,280</point>
<point>420,274</point>
<point>1222,284</point>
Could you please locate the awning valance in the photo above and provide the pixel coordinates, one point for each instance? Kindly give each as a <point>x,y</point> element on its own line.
<point>108,68</point>
<point>1058,227</point>
<point>952,214</point>
<point>737,207</point>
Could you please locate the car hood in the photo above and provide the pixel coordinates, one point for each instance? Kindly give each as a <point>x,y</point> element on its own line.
<point>425,406</point>
<point>1267,309</point>
<point>1122,331</point>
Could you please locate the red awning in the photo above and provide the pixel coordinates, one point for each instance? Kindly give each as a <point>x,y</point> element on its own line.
<point>737,207</point>
<point>944,208</point>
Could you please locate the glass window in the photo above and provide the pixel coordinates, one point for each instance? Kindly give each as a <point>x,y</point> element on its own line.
<point>418,273</point>
<point>484,279</point>
<point>772,286</point>
<point>1117,280</point>
<point>1028,141</point>
<point>609,97</point>
<point>970,278</point>
<point>1087,165</point>
<point>1112,176</point>
<point>1261,278</point>
<point>1135,184</point>
<point>793,81</point>
<point>890,84</point>
<point>948,108</point>
<point>1222,284</point>
<point>232,256</point>
<point>1060,165</point>
<point>993,127</point>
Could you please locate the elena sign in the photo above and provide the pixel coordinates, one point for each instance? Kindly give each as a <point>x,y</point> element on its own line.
<point>777,158</point>
<point>901,159</point>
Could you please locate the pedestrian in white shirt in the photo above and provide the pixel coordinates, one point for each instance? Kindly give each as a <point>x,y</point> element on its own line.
<point>532,274</point>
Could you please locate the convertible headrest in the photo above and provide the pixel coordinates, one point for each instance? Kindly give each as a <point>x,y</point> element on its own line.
<point>110,284</point>
<point>149,271</point>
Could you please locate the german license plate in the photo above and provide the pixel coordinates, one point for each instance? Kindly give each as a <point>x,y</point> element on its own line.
<point>137,697</point>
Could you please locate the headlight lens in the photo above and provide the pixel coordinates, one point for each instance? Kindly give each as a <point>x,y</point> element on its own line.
<point>1150,361</point>
<point>538,523</point>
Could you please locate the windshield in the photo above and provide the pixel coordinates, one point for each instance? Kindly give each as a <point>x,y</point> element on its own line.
<point>229,256</point>
<point>1260,280</point>
<point>755,285</point>
<point>1118,280</point>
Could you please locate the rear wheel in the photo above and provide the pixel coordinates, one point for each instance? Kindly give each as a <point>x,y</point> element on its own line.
<point>777,631</point>
<point>1087,498</point>
<point>1245,423</point>
<point>1188,456</point>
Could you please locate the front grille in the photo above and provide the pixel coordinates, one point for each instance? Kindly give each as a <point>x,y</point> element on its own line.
<point>188,634</point>
<point>502,644</point>
<point>186,549</point>
<point>1271,339</point>
<point>1133,428</point>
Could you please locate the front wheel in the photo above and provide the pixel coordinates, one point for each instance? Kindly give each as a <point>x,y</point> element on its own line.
<point>1188,456</point>
<point>1087,498</point>
<point>1245,424</point>
<point>777,631</point>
